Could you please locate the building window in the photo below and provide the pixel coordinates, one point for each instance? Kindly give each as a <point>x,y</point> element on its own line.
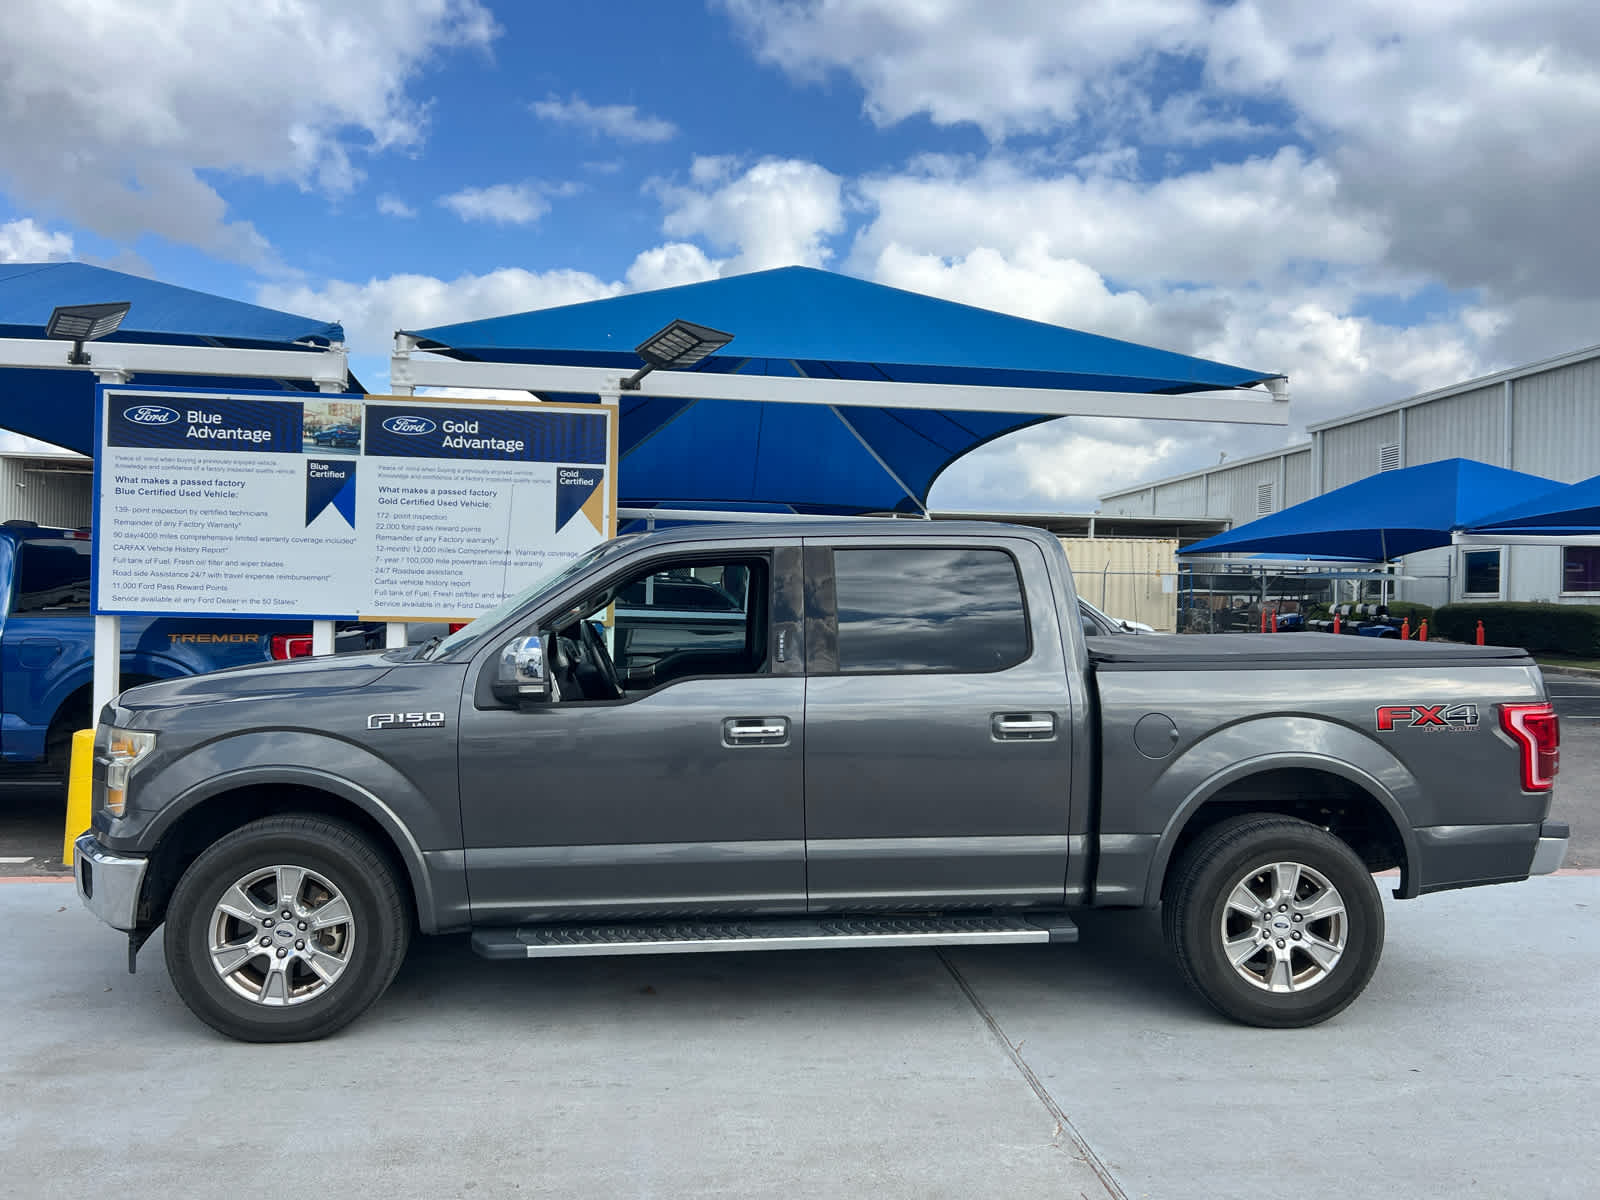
<point>1480,573</point>
<point>1263,499</point>
<point>1389,456</point>
<point>1580,569</point>
<point>936,610</point>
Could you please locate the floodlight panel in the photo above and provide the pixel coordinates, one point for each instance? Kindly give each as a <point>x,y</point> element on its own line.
<point>86,322</point>
<point>681,344</point>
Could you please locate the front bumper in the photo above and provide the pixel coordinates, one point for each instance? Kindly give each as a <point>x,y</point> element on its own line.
<point>1551,850</point>
<point>108,884</point>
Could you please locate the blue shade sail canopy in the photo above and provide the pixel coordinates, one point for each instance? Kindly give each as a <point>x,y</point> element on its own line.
<point>1386,515</point>
<point>1565,511</point>
<point>58,406</point>
<point>799,322</point>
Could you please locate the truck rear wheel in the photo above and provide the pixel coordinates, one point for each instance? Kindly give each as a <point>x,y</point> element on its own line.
<point>285,930</point>
<point>1274,921</point>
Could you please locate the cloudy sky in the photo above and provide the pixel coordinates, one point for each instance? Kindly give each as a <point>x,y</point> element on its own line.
<point>1375,198</point>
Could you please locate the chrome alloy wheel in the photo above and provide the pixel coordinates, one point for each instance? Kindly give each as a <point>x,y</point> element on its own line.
<point>281,935</point>
<point>1284,927</point>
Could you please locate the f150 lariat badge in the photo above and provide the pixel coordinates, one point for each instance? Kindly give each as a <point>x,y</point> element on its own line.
<point>411,720</point>
<point>1449,717</point>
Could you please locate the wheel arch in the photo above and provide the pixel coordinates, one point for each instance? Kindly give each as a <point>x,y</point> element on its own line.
<point>1329,792</point>
<point>219,805</point>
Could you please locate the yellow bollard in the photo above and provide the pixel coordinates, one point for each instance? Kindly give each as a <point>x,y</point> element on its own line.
<point>80,789</point>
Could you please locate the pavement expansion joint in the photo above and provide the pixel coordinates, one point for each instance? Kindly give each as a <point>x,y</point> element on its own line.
<point>1063,1122</point>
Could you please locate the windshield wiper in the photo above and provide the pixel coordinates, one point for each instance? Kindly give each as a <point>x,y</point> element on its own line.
<point>427,647</point>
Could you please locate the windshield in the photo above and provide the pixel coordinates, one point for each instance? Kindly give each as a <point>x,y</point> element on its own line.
<point>550,579</point>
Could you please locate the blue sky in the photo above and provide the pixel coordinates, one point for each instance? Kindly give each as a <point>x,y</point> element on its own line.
<point>1374,199</point>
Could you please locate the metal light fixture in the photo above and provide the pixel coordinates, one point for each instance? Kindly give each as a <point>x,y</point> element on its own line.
<point>80,323</point>
<point>681,344</point>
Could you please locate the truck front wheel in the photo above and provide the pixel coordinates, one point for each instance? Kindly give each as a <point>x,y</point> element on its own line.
<point>285,930</point>
<point>1274,921</point>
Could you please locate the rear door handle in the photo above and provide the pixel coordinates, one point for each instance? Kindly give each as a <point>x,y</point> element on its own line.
<point>755,731</point>
<point>1023,727</point>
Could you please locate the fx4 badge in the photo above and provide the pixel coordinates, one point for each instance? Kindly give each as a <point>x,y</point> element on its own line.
<point>1455,717</point>
<point>416,720</point>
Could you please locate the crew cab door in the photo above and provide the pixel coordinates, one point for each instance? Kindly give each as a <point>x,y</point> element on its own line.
<point>684,795</point>
<point>938,732</point>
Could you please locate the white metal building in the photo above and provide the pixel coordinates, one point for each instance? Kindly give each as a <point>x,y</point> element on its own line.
<point>47,489</point>
<point>1543,418</point>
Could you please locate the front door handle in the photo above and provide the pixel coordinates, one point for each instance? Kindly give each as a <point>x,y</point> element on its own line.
<point>1023,727</point>
<point>755,731</point>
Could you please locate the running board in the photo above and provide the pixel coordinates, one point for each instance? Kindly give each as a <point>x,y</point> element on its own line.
<point>836,933</point>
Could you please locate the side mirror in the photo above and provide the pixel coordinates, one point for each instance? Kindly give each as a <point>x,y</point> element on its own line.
<point>523,673</point>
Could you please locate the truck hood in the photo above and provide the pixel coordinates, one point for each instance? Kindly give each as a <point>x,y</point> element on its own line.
<point>297,676</point>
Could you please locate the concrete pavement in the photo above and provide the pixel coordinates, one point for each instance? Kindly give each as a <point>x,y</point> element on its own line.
<point>1468,1069</point>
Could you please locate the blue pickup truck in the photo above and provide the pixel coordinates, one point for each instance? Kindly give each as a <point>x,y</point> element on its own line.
<point>47,646</point>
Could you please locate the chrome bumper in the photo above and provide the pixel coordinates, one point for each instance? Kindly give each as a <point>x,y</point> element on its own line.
<point>108,884</point>
<point>1551,849</point>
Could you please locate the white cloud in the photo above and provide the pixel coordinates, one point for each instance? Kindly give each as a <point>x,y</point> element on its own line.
<point>391,205</point>
<point>372,311</point>
<point>622,122</point>
<point>671,265</point>
<point>23,241</point>
<point>777,213</point>
<point>115,108</point>
<point>1017,66</point>
<point>501,203</point>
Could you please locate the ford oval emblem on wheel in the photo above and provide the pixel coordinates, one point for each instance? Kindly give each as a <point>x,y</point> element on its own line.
<point>409,426</point>
<point>150,414</point>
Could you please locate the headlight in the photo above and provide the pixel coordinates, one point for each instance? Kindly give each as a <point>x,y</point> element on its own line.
<point>123,750</point>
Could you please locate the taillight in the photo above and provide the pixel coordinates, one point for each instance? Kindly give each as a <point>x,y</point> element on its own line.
<point>286,645</point>
<point>1536,729</point>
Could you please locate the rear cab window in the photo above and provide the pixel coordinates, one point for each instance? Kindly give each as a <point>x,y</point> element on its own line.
<point>51,576</point>
<point>933,610</point>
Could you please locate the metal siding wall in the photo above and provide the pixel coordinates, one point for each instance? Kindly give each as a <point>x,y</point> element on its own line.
<point>1297,478</point>
<point>1352,450</point>
<point>1556,422</point>
<point>44,497</point>
<point>1470,425</point>
<point>1185,498</point>
<point>1238,490</point>
<point>1130,504</point>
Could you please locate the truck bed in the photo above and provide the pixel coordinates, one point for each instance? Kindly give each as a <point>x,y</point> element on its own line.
<point>1240,651</point>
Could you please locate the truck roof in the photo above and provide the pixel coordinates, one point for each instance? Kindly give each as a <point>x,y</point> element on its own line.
<point>830,527</point>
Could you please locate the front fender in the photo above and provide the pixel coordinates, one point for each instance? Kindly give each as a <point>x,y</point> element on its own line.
<point>1273,744</point>
<point>426,839</point>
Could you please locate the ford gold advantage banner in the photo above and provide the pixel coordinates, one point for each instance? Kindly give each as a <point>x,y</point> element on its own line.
<point>307,504</point>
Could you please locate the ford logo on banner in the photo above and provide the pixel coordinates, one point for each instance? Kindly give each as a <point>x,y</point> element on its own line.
<point>150,414</point>
<point>406,425</point>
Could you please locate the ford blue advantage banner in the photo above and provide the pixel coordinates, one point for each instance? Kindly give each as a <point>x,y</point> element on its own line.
<point>522,434</point>
<point>315,504</point>
<point>196,422</point>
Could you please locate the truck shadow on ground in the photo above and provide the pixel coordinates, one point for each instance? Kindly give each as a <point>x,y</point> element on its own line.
<point>1120,961</point>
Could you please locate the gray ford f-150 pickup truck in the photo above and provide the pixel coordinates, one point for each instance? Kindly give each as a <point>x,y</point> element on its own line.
<point>911,741</point>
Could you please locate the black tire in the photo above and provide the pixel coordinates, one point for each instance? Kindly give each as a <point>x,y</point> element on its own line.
<point>379,928</point>
<point>1240,852</point>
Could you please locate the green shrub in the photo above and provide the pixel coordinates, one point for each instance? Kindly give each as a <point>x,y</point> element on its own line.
<point>1402,610</point>
<point>1538,628</point>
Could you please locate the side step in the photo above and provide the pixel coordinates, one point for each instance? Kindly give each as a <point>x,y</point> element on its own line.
<point>830,933</point>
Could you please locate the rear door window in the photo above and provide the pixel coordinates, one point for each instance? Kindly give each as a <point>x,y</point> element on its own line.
<point>52,576</point>
<point>944,610</point>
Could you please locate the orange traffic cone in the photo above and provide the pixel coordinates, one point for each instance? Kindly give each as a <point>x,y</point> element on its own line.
<point>1336,622</point>
<point>1422,634</point>
<point>1405,630</point>
<point>1274,620</point>
<point>1480,633</point>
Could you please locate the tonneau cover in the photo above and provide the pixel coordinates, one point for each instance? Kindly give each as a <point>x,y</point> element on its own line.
<point>1243,651</point>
